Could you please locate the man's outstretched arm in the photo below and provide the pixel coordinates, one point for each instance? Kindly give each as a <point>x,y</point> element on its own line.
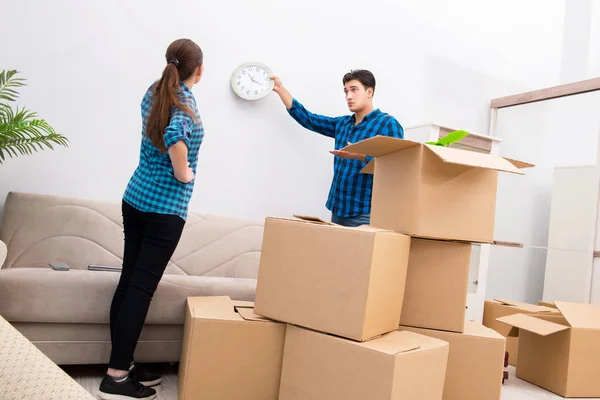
<point>316,123</point>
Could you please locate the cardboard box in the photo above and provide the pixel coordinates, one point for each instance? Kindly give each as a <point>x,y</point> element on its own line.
<point>431,191</point>
<point>475,363</point>
<point>549,304</point>
<point>229,352</point>
<point>344,281</point>
<point>396,366</point>
<point>436,285</point>
<point>560,353</point>
<point>496,308</point>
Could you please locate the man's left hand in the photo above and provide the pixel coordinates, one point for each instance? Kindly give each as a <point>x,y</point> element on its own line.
<point>349,156</point>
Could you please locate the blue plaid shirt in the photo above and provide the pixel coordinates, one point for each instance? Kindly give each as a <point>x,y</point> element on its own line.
<point>153,187</point>
<point>350,193</point>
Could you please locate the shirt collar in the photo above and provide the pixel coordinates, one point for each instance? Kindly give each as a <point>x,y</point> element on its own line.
<point>369,116</point>
<point>184,87</point>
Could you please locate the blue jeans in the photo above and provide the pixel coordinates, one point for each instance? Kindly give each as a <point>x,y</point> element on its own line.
<point>358,220</point>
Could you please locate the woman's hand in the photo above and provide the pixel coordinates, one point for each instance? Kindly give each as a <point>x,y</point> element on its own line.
<point>190,175</point>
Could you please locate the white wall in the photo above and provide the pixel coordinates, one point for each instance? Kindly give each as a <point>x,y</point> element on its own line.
<point>89,63</point>
<point>576,40</point>
<point>593,56</point>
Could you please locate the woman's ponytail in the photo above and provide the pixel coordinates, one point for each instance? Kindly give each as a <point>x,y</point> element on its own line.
<point>183,59</point>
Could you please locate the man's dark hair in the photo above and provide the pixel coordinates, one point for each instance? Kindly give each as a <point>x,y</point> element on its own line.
<point>366,78</point>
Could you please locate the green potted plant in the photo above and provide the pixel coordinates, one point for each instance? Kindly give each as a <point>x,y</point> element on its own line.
<point>452,137</point>
<point>21,131</point>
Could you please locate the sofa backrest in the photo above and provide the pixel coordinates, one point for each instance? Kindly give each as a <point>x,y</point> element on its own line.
<point>39,229</point>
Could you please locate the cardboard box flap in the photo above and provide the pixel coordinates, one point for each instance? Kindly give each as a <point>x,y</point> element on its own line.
<point>244,304</point>
<point>369,168</point>
<point>549,304</point>
<point>317,220</point>
<point>310,218</point>
<point>213,307</point>
<point>532,324</point>
<point>506,302</point>
<point>407,348</point>
<point>473,159</point>
<point>519,164</point>
<point>394,343</point>
<point>378,146</point>
<point>477,330</point>
<point>525,306</point>
<point>580,315</point>
<point>248,315</point>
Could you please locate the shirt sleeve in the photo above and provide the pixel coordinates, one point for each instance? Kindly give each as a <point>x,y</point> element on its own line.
<point>393,129</point>
<point>316,123</point>
<point>179,128</point>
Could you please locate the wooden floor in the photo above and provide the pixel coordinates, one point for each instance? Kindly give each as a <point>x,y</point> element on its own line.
<point>89,377</point>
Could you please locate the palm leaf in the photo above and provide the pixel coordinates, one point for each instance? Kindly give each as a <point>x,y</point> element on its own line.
<point>8,82</point>
<point>27,136</point>
<point>28,145</point>
<point>26,129</point>
<point>452,137</point>
<point>20,131</point>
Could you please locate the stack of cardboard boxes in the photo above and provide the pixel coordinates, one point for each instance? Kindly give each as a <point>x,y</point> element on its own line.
<point>445,200</point>
<point>342,290</point>
<point>373,312</point>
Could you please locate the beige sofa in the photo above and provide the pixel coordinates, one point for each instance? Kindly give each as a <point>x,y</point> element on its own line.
<point>66,313</point>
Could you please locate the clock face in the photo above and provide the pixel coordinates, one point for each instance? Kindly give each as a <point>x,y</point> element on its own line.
<point>251,81</point>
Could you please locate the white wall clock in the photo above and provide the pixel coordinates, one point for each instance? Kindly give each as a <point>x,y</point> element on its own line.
<point>251,81</point>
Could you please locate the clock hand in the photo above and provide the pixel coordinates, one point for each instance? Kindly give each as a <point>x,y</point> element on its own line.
<point>255,81</point>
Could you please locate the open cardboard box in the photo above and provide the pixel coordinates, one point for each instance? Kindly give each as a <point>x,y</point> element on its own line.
<point>229,352</point>
<point>344,281</point>
<point>397,365</point>
<point>431,191</point>
<point>496,308</point>
<point>560,353</point>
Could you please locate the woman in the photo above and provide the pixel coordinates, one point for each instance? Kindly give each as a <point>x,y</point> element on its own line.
<point>154,206</point>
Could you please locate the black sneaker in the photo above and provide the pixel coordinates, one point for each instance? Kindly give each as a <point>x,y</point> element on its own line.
<point>130,388</point>
<point>144,376</point>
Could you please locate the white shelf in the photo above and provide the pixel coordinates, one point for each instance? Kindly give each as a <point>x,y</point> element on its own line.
<point>446,128</point>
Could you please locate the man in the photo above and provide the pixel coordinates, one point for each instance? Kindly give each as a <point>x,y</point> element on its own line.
<point>350,194</point>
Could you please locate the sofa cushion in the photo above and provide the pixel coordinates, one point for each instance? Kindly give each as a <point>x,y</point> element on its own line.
<point>82,296</point>
<point>39,229</point>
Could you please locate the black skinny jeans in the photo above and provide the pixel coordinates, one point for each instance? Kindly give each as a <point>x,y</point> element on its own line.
<point>150,240</point>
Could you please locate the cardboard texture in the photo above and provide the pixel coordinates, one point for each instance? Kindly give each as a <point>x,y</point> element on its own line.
<point>547,304</point>
<point>396,366</point>
<point>228,352</point>
<point>475,363</point>
<point>344,281</point>
<point>560,352</point>
<point>436,285</point>
<point>497,308</point>
<point>431,191</point>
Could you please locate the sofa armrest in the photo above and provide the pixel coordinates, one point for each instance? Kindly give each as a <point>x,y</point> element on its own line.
<point>3,253</point>
<point>19,358</point>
